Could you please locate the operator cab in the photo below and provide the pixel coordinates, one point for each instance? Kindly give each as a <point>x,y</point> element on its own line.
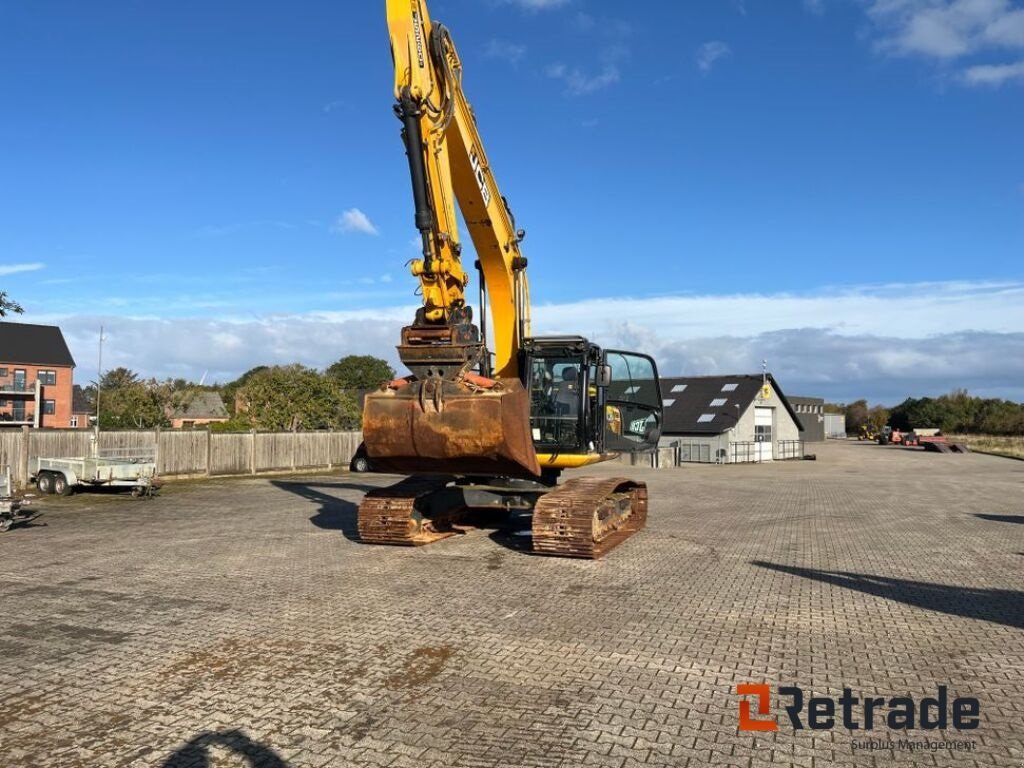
<point>587,400</point>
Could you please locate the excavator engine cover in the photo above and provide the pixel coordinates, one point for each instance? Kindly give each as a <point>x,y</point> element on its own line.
<point>466,426</point>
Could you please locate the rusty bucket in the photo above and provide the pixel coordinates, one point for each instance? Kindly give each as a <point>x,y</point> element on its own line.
<point>470,426</point>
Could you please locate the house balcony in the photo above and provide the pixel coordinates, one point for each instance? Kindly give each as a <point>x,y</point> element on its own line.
<point>18,387</point>
<point>17,397</point>
<point>17,419</point>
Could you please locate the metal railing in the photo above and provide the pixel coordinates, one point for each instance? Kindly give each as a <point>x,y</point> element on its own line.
<point>135,454</point>
<point>700,451</point>
<point>790,449</point>
<point>17,417</point>
<point>745,452</point>
<point>14,385</point>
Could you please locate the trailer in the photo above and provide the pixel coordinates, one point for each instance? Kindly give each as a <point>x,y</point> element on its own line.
<point>12,509</point>
<point>123,468</point>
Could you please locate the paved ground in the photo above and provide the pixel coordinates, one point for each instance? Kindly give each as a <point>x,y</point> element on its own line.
<point>237,622</point>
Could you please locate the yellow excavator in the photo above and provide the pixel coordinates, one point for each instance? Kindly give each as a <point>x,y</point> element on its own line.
<point>491,415</point>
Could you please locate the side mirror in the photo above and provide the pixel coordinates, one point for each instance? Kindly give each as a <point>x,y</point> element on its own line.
<point>604,375</point>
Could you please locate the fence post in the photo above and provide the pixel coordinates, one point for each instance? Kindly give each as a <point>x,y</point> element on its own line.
<point>252,462</point>
<point>330,444</point>
<point>26,442</point>
<point>209,451</point>
<point>156,450</point>
<point>295,444</point>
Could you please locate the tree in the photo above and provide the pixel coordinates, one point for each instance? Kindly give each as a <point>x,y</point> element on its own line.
<point>230,390</point>
<point>128,403</point>
<point>878,417</point>
<point>856,415</point>
<point>292,397</point>
<point>118,378</point>
<point>357,373</point>
<point>8,305</point>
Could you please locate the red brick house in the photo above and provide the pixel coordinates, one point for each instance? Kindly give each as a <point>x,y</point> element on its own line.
<point>36,376</point>
<point>198,409</point>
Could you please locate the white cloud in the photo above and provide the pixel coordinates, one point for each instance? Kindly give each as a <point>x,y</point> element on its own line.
<point>994,74</point>
<point>710,52</point>
<point>14,269</point>
<point>609,38</point>
<point>580,83</point>
<point>815,6</point>
<point>354,220</point>
<point>952,30</point>
<point>840,343</point>
<point>583,22</point>
<point>504,50</point>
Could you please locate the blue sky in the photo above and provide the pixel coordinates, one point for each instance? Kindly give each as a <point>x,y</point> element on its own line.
<point>837,185</point>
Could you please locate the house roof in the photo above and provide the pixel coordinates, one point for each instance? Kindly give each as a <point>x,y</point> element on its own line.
<point>707,404</point>
<point>201,404</point>
<point>33,345</point>
<point>802,400</point>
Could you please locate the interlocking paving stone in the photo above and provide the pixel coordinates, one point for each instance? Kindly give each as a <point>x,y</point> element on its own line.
<point>240,622</point>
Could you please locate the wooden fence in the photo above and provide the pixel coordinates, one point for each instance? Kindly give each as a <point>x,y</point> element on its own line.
<point>188,452</point>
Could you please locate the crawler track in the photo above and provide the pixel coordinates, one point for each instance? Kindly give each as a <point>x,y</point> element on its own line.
<point>392,515</point>
<point>588,516</point>
<point>585,517</point>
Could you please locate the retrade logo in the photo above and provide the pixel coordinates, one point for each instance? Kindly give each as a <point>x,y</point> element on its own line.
<point>763,693</point>
<point>898,713</point>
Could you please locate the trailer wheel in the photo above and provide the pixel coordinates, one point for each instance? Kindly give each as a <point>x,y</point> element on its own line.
<point>44,482</point>
<point>61,486</point>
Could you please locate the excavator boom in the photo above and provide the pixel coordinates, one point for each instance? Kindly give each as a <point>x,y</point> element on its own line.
<point>446,419</point>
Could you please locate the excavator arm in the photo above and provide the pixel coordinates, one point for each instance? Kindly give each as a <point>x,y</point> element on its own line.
<point>457,413</point>
<point>448,165</point>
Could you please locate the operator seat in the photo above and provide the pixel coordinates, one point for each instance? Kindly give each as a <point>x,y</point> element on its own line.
<point>567,396</point>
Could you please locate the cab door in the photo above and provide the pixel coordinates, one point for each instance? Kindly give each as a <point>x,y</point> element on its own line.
<point>632,407</point>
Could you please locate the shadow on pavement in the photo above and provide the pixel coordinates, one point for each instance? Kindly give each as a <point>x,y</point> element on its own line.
<point>196,753</point>
<point>999,606</point>
<point>1002,518</point>
<point>340,515</point>
<point>334,514</point>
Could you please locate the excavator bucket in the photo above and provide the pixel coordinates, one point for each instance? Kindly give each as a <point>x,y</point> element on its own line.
<point>469,426</point>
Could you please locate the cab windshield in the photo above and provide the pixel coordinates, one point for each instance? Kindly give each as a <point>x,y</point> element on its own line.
<point>556,400</point>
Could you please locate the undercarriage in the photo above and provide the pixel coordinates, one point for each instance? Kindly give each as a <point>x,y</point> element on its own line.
<point>584,517</point>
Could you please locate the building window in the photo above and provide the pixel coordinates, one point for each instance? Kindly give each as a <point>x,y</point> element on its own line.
<point>49,407</point>
<point>718,402</point>
<point>3,371</point>
<point>74,422</point>
<point>48,378</point>
<point>679,388</point>
<point>729,387</point>
<point>705,418</point>
<point>668,402</point>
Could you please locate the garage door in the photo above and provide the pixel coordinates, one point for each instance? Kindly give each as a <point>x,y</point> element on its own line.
<point>763,419</point>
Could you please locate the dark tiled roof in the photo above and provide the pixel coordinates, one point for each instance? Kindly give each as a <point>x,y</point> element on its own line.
<point>202,405</point>
<point>33,345</point>
<point>693,396</point>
